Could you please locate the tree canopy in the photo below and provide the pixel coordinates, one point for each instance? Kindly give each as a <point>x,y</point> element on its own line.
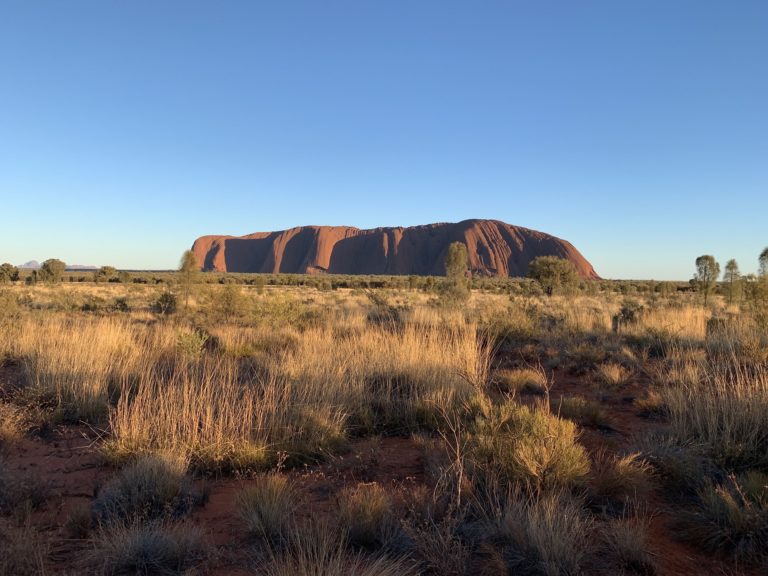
<point>51,270</point>
<point>553,273</point>
<point>707,272</point>
<point>8,273</point>
<point>456,287</point>
<point>188,272</point>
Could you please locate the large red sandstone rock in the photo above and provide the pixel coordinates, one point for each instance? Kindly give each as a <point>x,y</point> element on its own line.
<point>494,248</point>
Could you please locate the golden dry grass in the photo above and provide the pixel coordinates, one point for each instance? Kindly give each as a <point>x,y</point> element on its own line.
<point>290,375</point>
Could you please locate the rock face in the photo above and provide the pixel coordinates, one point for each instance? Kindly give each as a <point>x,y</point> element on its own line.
<point>494,249</point>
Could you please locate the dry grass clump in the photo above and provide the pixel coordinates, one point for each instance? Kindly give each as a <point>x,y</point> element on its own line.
<point>518,323</point>
<point>613,375</point>
<point>681,469</point>
<point>72,361</point>
<point>681,367</point>
<point>11,424</point>
<point>619,483</point>
<point>161,549</point>
<point>583,411</point>
<point>213,415</point>
<point>319,550</point>
<point>367,514</point>
<point>225,412</point>
<point>267,507</point>
<point>22,551</point>
<point>585,356</point>
<point>148,489</point>
<point>726,414</point>
<point>732,518</point>
<point>650,404</point>
<point>521,380</point>
<point>20,492</point>
<point>547,535</point>
<point>688,323</point>
<point>439,544</point>
<point>530,447</point>
<point>396,381</point>
<point>625,545</point>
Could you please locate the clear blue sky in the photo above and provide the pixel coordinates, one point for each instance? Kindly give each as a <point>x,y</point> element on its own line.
<point>638,130</point>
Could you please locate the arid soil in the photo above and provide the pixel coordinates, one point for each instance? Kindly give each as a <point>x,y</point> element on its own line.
<point>68,462</point>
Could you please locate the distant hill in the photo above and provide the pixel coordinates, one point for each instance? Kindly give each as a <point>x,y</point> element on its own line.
<point>494,248</point>
<point>31,265</point>
<point>35,265</point>
<point>85,267</point>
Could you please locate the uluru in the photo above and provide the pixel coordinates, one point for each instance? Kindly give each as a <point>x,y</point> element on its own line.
<point>494,249</point>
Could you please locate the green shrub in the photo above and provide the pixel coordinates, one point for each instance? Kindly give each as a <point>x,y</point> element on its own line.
<point>530,446</point>
<point>51,270</point>
<point>191,344</point>
<point>165,304</point>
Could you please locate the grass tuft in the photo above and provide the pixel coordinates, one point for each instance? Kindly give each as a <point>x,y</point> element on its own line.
<point>319,550</point>
<point>148,489</point>
<point>158,549</point>
<point>267,507</point>
<point>367,513</point>
<point>521,381</point>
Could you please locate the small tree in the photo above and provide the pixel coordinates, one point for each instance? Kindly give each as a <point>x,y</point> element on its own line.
<point>763,263</point>
<point>707,272</point>
<point>259,282</point>
<point>105,274</point>
<point>456,286</point>
<point>51,270</point>
<point>732,276</point>
<point>230,302</point>
<point>165,303</point>
<point>761,290</point>
<point>8,273</point>
<point>553,273</point>
<point>188,272</point>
